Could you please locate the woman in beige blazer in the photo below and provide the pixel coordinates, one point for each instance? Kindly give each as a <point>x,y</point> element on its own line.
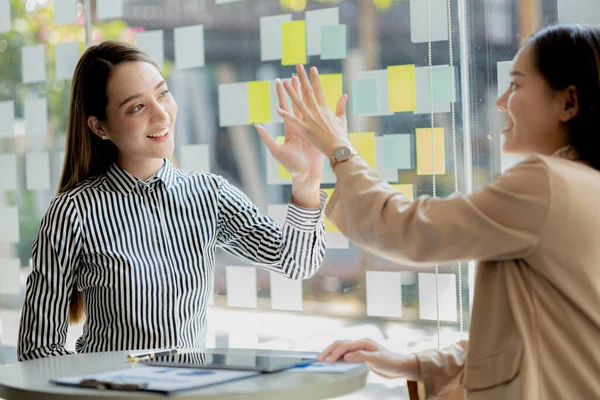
<point>535,330</point>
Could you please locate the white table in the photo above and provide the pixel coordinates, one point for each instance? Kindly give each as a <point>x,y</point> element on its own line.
<point>30,380</point>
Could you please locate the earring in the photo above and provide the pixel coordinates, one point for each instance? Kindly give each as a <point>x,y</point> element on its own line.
<point>104,137</point>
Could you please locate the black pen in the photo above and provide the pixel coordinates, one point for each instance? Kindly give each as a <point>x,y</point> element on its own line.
<point>152,354</point>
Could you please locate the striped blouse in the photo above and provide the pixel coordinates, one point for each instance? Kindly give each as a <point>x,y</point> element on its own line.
<point>143,255</point>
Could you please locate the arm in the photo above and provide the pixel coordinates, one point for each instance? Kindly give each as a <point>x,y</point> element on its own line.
<point>45,316</point>
<point>295,250</point>
<point>503,220</point>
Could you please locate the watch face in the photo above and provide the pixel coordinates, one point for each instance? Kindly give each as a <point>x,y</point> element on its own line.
<point>342,153</point>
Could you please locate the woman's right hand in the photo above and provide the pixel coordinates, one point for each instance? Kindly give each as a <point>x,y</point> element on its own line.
<point>380,360</point>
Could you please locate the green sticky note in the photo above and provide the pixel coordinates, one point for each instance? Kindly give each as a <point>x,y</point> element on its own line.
<point>397,151</point>
<point>442,85</point>
<point>334,42</point>
<point>364,96</point>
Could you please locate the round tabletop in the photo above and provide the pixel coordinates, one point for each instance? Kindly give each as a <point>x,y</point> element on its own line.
<point>30,380</point>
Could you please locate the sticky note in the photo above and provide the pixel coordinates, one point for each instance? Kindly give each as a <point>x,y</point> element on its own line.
<point>442,89</point>
<point>36,116</point>
<point>337,240</point>
<point>195,157</point>
<point>332,89</point>
<point>275,118</point>
<point>65,11</point>
<point>233,104</point>
<point>334,42</point>
<point>364,144</point>
<point>259,102</point>
<point>294,43</point>
<point>67,55</point>
<point>10,225</point>
<point>446,289</point>
<point>278,212</point>
<point>37,170</point>
<point>398,151</point>
<point>109,9</point>
<point>10,270</point>
<point>401,87</point>
<point>5,16</point>
<point>286,294</point>
<point>420,21</point>
<point>383,101</point>
<point>7,116</point>
<point>189,46</point>
<point>271,36</point>
<point>503,71</point>
<point>578,12</point>
<point>153,44</point>
<point>425,158</point>
<point>364,96</point>
<point>315,21</point>
<point>8,166</point>
<point>387,174</point>
<point>407,189</point>
<point>241,287</point>
<point>33,63</point>
<point>9,323</point>
<point>384,294</point>
<point>283,173</point>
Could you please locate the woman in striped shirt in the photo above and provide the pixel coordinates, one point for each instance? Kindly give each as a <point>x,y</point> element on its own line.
<point>129,241</point>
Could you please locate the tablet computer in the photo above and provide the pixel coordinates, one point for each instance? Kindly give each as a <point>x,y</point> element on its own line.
<point>240,362</point>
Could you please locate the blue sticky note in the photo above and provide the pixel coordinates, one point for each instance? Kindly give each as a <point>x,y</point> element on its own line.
<point>364,96</point>
<point>397,151</point>
<point>334,42</point>
<point>442,85</point>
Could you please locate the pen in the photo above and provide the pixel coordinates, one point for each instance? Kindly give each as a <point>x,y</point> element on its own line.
<point>151,354</point>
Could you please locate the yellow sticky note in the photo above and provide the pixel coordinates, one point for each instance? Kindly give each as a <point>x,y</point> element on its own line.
<point>425,159</point>
<point>332,89</point>
<point>329,226</point>
<point>364,144</point>
<point>406,189</point>
<point>401,88</point>
<point>282,172</point>
<point>293,42</point>
<point>259,102</point>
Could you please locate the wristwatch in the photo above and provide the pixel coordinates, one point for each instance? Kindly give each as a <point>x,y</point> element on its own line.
<point>341,154</point>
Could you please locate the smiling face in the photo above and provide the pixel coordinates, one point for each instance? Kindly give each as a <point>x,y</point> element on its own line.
<point>535,113</point>
<point>140,118</point>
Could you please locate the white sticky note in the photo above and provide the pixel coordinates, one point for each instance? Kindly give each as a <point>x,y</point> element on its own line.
<point>419,20</point>
<point>337,240</point>
<point>10,270</point>
<point>33,63</point>
<point>189,46</point>
<point>5,16</point>
<point>579,12</point>
<point>36,116</point>
<point>65,12</point>
<point>383,102</point>
<point>7,116</point>
<point>241,287</point>
<point>387,174</point>
<point>278,212</point>
<point>446,288</point>
<point>109,9</point>
<point>8,168</point>
<point>271,38</point>
<point>10,225</point>
<point>9,327</point>
<point>195,157</point>
<point>37,171</point>
<point>286,294</point>
<point>233,104</point>
<point>315,21</point>
<point>384,294</point>
<point>152,43</point>
<point>67,55</point>
<point>503,71</point>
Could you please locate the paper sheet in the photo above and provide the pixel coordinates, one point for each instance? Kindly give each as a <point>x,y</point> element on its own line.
<point>420,21</point>
<point>397,151</point>
<point>271,36</point>
<point>384,294</point>
<point>8,166</point>
<point>67,55</point>
<point>195,157</point>
<point>37,171</point>
<point>294,43</point>
<point>286,294</point>
<point>442,89</point>
<point>259,102</point>
<point>315,21</point>
<point>109,9</point>
<point>10,270</point>
<point>36,116</point>
<point>5,16</point>
<point>7,116</point>
<point>33,63</point>
<point>65,12</point>
<point>401,88</point>
<point>152,43</point>
<point>233,104</point>
<point>189,46</point>
<point>424,148</point>
<point>334,42</point>
<point>447,297</point>
<point>383,98</point>
<point>241,287</point>
<point>332,85</point>
<point>364,96</point>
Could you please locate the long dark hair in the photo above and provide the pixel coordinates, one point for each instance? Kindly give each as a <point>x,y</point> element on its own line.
<point>569,55</point>
<point>86,154</point>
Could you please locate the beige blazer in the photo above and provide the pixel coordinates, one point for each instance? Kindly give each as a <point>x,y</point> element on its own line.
<point>535,327</point>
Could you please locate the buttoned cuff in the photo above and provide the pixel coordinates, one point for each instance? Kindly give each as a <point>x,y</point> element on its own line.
<point>306,219</point>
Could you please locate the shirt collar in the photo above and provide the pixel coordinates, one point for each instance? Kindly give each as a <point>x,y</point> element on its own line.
<point>122,181</point>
